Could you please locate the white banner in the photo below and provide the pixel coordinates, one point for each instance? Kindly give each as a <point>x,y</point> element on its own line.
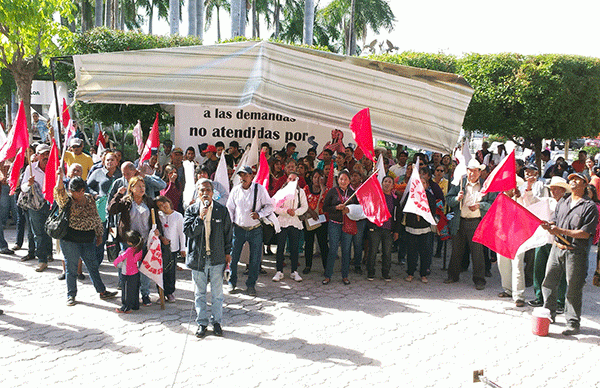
<point>195,125</point>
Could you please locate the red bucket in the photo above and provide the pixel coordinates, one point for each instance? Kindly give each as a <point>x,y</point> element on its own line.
<point>540,321</point>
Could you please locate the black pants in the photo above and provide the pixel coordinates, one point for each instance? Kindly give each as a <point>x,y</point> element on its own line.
<point>309,247</point>
<point>378,235</point>
<point>169,269</point>
<point>460,241</point>
<point>294,241</point>
<point>130,291</point>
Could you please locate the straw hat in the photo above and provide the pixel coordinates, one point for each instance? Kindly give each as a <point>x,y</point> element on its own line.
<point>557,181</point>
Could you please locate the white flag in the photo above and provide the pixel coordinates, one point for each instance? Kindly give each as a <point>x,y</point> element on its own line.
<point>463,159</point>
<point>284,198</point>
<point>417,202</point>
<point>221,175</point>
<point>139,137</point>
<point>190,185</point>
<point>152,265</point>
<point>2,137</point>
<point>541,236</point>
<point>250,158</point>
<point>381,168</point>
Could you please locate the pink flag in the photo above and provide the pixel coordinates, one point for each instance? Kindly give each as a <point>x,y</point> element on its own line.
<point>18,137</point>
<point>67,124</point>
<point>139,137</point>
<point>499,231</point>
<point>152,142</point>
<point>503,178</point>
<point>362,132</point>
<point>50,173</point>
<point>371,198</point>
<point>152,265</point>
<point>262,175</point>
<point>331,176</point>
<point>417,202</point>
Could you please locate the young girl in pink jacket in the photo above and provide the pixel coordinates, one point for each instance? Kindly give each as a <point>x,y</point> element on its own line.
<point>128,262</point>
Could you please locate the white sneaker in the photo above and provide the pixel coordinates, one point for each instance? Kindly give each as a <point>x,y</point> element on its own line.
<point>278,276</point>
<point>294,275</point>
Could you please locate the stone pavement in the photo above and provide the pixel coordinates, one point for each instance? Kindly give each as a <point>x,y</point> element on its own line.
<point>377,334</point>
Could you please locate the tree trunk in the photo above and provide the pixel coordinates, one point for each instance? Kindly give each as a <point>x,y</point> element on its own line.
<point>192,17</point>
<point>235,18</point>
<point>150,17</point>
<point>98,13</point>
<point>218,26</point>
<point>108,13</point>
<point>276,18</point>
<point>200,19</point>
<point>174,16</point>
<point>351,42</point>
<point>254,20</point>
<point>23,72</point>
<point>243,17</point>
<point>309,21</point>
<point>537,147</point>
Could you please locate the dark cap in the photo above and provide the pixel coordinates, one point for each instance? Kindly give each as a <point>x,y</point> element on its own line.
<point>578,175</point>
<point>531,166</point>
<point>245,170</point>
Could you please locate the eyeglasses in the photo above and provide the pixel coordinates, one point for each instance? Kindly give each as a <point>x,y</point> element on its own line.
<point>438,170</point>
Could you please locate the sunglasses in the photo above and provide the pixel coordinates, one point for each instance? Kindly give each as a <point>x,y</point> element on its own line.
<point>439,170</point>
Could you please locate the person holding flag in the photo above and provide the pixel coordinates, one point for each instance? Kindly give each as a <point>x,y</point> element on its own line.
<point>469,206</point>
<point>315,195</point>
<point>573,225</point>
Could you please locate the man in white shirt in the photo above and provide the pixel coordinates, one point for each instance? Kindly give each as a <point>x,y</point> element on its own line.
<point>33,179</point>
<point>248,202</point>
<point>399,169</point>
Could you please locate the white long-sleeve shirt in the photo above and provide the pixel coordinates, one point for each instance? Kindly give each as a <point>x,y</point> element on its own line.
<point>240,203</point>
<point>37,173</point>
<point>173,230</point>
<point>300,207</point>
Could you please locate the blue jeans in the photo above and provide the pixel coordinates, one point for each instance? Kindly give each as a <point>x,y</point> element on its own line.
<point>4,210</point>
<point>100,248</point>
<point>255,239</point>
<point>201,278</point>
<point>357,242</point>
<point>43,242</point>
<point>337,236</point>
<point>73,252</point>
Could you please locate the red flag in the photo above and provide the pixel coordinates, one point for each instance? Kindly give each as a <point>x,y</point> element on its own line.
<point>499,231</point>
<point>18,137</point>
<point>50,173</point>
<point>101,139</point>
<point>152,142</point>
<point>262,175</point>
<point>331,176</point>
<point>362,132</point>
<point>15,170</point>
<point>66,116</point>
<point>358,153</point>
<point>371,198</point>
<point>503,178</point>
<point>67,124</point>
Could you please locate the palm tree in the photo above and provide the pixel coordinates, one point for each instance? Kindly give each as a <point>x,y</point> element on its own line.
<point>309,21</point>
<point>174,16</point>
<point>212,8</point>
<point>373,14</point>
<point>162,7</point>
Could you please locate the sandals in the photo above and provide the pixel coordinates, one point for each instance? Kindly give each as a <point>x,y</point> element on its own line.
<point>345,281</point>
<point>409,278</point>
<point>326,281</point>
<point>504,294</point>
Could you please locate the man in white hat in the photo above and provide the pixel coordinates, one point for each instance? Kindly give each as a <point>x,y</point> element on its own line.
<point>469,206</point>
<point>77,156</point>
<point>559,188</point>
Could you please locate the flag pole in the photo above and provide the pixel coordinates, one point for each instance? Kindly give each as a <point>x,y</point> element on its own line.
<point>161,292</point>
<point>353,194</point>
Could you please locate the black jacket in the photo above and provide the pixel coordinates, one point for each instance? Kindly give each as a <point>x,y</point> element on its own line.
<point>221,234</point>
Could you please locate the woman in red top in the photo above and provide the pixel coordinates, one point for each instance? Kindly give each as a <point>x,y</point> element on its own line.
<point>173,190</point>
<point>315,194</point>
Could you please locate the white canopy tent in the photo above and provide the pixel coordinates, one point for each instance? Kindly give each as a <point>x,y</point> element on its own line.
<point>411,106</point>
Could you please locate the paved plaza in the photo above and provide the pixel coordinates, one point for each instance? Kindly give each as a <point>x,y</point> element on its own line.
<point>366,334</point>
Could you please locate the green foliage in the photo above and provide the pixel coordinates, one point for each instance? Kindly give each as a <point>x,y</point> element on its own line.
<point>439,62</point>
<point>591,151</point>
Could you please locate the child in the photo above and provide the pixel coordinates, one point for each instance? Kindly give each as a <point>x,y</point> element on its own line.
<point>173,243</point>
<point>128,263</point>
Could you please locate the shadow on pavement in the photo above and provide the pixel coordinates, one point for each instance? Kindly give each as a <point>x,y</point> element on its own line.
<point>60,337</point>
<point>302,349</point>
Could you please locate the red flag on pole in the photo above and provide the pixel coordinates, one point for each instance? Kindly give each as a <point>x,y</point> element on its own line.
<point>262,175</point>
<point>15,171</point>
<point>499,231</point>
<point>371,198</point>
<point>18,137</point>
<point>101,139</point>
<point>152,142</point>
<point>504,176</point>
<point>50,173</point>
<point>331,176</point>
<point>362,132</point>
<point>67,124</point>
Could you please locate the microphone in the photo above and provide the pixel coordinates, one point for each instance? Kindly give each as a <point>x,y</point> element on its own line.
<point>206,202</point>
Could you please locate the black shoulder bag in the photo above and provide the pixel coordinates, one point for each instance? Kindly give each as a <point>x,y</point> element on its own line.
<point>57,223</point>
<point>268,229</point>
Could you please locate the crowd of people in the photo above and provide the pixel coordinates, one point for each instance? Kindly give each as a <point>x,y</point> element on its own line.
<point>111,201</point>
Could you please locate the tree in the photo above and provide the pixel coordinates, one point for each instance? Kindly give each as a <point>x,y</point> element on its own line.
<point>212,9</point>
<point>28,33</point>
<point>174,16</point>
<point>309,21</point>
<point>368,14</point>
<point>162,6</point>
